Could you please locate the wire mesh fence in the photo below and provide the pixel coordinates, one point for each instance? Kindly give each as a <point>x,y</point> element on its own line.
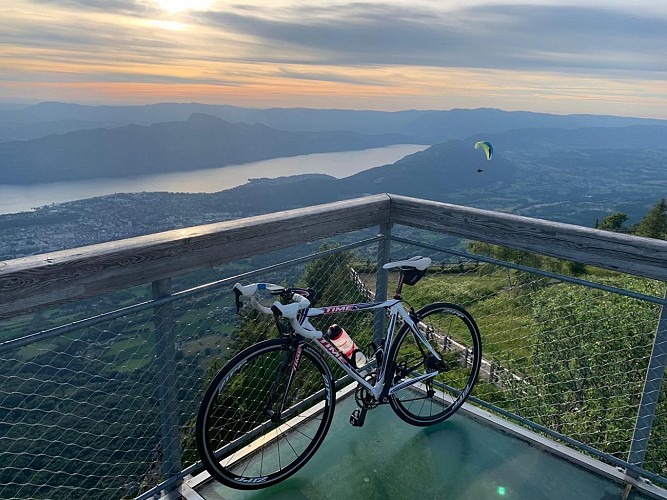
<point>80,413</point>
<point>566,356</point>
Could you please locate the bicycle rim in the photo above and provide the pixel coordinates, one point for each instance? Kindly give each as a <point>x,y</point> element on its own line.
<point>238,442</point>
<point>452,332</point>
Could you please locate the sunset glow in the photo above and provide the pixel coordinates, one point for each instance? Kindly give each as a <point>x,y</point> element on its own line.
<point>374,55</point>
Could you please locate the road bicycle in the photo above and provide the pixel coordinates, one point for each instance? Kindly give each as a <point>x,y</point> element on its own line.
<point>269,408</point>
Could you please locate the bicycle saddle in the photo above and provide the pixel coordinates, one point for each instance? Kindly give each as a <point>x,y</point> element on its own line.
<point>420,263</point>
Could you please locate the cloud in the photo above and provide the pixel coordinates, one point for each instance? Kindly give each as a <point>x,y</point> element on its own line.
<point>126,7</point>
<point>330,76</point>
<point>588,55</point>
<point>593,40</point>
<point>51,44</point>
<point>507,36</point>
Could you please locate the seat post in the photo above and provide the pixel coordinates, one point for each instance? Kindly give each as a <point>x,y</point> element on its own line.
<point>399,286</point>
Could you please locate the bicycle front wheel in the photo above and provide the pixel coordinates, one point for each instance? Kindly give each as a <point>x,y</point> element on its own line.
<point>260,421</point>
<point>453,334</point>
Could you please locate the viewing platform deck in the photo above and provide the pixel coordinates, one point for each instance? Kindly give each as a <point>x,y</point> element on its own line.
<point>471,456</point>
<point>105,351</point>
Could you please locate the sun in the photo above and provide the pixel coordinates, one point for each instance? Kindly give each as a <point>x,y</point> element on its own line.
<point>175,6</point>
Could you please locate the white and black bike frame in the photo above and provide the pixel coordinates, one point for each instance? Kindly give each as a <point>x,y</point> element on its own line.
<point>299,311</point>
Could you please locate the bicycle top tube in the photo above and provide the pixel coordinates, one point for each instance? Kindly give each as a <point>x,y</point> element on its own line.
<point>360,306</point>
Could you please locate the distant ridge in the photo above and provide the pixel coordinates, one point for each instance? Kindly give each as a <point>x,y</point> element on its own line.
<point>424,126</point>
<point>632,137</point>
<point>574,176</point>
<point>434,174</point>
<point>437,126</point>
<point>566,175</point>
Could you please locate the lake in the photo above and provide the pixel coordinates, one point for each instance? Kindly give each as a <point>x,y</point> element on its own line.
<point>21,198</point>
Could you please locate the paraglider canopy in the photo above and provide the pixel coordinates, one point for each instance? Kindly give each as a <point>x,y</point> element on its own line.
<point>487,147</point>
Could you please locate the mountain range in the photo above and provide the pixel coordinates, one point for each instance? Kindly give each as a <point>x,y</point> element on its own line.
<point>561,183</point>
<point>202,141</point>
<point>423,126</point>
<point>571,168</point>
<point>576,176</point>
<point>132,140</point>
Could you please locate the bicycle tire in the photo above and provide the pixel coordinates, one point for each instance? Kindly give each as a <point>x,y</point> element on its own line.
<point>458,341</point>
<point>239,444</point>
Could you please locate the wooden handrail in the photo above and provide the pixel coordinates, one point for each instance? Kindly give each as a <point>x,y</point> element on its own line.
<point>618,252</point>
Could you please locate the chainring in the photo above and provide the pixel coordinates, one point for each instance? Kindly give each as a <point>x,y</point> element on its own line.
<point>365,399</point>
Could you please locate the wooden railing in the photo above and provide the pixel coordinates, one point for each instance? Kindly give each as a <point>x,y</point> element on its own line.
<point>48,279</point>
<point>619,252</point>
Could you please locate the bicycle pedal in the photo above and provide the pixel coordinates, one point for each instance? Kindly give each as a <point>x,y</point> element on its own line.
<point>358,417</point>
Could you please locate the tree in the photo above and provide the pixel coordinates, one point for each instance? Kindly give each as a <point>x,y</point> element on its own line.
<point>654,223</point>
<point>613,222</point>
<point>331,277</point>
<point>575,268</point>
<point>523,280</point>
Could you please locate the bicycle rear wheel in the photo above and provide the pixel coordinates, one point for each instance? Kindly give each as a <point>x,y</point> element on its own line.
<point>254,428</point>
<point>452,332</point>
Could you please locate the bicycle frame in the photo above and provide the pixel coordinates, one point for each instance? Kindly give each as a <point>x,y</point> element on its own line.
<point>257,402</point>
<point>396,310</point>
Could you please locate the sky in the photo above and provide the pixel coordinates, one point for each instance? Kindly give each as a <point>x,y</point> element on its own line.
<point>565,56</point>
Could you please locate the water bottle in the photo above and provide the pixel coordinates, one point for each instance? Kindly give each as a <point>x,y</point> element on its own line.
<point>346,345</point>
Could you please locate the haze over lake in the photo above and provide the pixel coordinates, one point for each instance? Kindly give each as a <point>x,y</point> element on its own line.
<point>21,198</point>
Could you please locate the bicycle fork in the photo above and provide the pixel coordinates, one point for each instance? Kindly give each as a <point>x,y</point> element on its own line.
<point>275,416</point>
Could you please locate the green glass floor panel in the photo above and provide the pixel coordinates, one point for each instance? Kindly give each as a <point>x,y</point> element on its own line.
<point>458,459</point>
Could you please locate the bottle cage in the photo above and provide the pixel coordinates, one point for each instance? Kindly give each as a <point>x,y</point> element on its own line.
<point>412,276</point>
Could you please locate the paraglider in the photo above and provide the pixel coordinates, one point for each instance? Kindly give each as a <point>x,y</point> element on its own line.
<point>487,147</point>
<point>479,170</point>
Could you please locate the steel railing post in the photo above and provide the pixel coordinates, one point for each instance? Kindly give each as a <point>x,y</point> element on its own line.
<point>650,394</point>
<point>165,350</point>
<point>381,280</point>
